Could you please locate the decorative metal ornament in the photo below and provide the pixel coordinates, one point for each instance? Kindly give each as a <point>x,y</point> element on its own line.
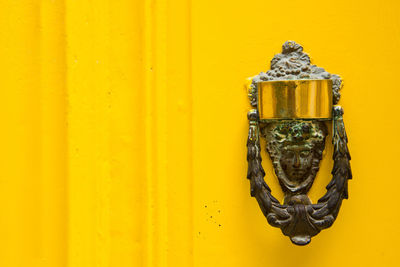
<point>292,102</point>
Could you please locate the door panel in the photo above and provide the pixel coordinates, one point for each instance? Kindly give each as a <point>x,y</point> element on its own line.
<point>125,126</point>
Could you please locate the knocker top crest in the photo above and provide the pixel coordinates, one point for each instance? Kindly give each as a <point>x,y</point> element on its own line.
<point>293,101</point>
<point>293,64</point>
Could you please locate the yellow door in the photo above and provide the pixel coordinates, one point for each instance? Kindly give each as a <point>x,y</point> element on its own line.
<point>124,131</point>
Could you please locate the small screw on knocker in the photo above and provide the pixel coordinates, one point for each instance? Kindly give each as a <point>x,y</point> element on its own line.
<point>292,102</point>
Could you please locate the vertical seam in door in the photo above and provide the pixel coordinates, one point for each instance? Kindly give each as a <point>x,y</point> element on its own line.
<point>149,96</point>
<point>190,96</point>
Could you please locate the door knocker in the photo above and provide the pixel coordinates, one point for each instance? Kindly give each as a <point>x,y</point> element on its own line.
<point>292,103</point>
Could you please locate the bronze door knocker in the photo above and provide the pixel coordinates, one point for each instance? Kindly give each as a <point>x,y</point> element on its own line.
<point>292,102</point>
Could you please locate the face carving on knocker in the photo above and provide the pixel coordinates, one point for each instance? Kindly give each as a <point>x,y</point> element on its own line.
<point>295,148</point>
<point>296,162</point>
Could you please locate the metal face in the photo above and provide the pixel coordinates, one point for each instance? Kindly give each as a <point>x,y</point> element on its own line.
<point>298,99</point>
<point>295,148</point>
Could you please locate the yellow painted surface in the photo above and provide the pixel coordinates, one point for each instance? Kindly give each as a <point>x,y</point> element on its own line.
<point>124,129</point>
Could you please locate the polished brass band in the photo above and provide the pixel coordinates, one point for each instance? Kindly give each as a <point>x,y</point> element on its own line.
<point>295,99</point>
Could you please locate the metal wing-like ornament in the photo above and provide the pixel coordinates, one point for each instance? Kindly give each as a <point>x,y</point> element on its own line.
<point>292,102</point>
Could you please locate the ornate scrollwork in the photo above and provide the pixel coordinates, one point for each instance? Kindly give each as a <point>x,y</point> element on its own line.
<point>295,147</point>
